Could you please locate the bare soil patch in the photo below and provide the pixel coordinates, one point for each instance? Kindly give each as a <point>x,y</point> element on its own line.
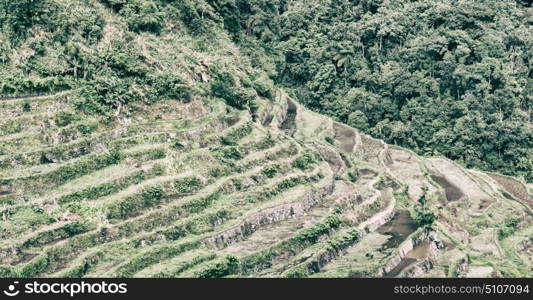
<point>345,137</point>
<point>367,172</point>
<point>512,186</point>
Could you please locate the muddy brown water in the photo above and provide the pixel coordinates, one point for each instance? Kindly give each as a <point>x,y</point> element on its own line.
<point>365,172</point>
<point>398,228</point>
<point>404,263</point>
<point>420,251</point>
<point>232,120</point>
<point>453,193</point>
<point>507,195</point>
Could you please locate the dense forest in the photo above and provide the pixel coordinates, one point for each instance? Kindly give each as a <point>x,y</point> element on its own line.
<point>451,78</point>
<point>266,138</point>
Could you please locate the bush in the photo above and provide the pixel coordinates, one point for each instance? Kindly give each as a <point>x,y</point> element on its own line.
<point>188,184</point>
<point>153,256</point>
<point>224,86</point>
<point>272,170</point>
<point>190,16</point>
<point>330,140</point>
<point>303,238</point>
<point>63,232</point>
<point>353,175</point>
<point>152,196</point>
<point>198,205</point>
<point>143,15</point>
<point>230,153</point>
<point>19,84</point>
<point>229,266</point>
<point>264,86</point>
<point>169,86</point>
<point>64,118</point>
<point>509,227</point>
<point>425,219</point>
<point>305,161</point>
<point>79,168</point>
<point>86,128</point>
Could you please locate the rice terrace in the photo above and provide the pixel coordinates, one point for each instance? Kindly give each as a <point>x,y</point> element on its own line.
<point>199,138</point>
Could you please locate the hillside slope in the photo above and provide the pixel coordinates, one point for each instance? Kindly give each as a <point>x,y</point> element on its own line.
<point>151,146</point>
<point>200,189</point>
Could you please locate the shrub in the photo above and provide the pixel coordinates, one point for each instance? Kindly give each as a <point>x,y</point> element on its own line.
<point>267,142</point>
<point>198,205</point>
<point>19,84</point>
<point>143,15</point>
<point>509,227</point>
<point>224,86</point>
<point>86,128</point>
<point>353,175</point>
<point>330,140</point>
<point>79,168</point>
<point>231,153</point>
<point>305,161</point>
<point>63,232</point>
<point>264,86</point>
<point>188,184</point>
<point>153,256</point>
<point>229,266</point>
<point>272,170</point>
<point>185,266</point>
<point>169,86</point>
<point>303,238</point>
<point>131,205</point>
<point>190,16</point>
<point>64,118</point>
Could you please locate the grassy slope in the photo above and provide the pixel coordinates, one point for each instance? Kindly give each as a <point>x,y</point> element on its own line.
<point>232,194</point>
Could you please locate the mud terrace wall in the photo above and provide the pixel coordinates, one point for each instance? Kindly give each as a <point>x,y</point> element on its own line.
<point>12,97</point>
<point>380,218</point>
<point>279,111</point>
<point>404,248</point>
<point>160,234</point>
<point>418,268</point>
<point>269,216</point>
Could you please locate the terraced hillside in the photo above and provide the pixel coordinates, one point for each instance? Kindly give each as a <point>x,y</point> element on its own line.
<point>201,189</point>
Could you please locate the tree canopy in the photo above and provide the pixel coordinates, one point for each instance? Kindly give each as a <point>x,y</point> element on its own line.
<point>441,77</point>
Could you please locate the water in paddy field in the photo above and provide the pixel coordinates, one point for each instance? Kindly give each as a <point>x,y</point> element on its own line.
<point>398,228</point>
<point>452,192</point>
<point>421,251</point>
